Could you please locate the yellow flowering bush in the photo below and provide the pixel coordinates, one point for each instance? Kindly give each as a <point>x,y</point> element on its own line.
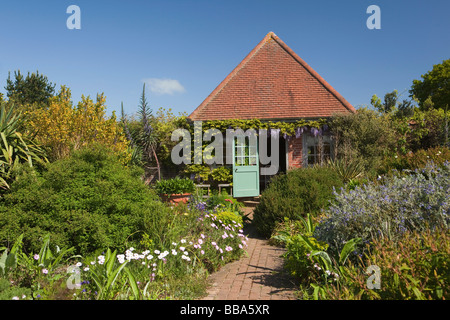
<point>63,128</point>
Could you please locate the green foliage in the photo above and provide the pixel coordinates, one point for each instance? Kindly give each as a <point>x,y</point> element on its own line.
<point>15,148</point>
<point>293,195</point>
<point>301,254</point>
<point>414,160</point>
<point>219,202</point>
<point>10,292</point>
<point>86,201</point>
<point>105,274</point>
<point>245,124</point>
<point>414,267</point>
<point>222,175</point>
<point>365,136</point>
<point>435,85</point>
<point>174,186</point>
<point>228,217</point>
<point>34,89</point>
<point>198,172</point>
<point>347,170</point>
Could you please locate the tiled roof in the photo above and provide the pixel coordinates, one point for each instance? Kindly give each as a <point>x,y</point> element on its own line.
<point>272,82</point>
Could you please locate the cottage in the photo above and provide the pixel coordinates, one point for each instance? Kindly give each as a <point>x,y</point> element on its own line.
<point>274,84</point>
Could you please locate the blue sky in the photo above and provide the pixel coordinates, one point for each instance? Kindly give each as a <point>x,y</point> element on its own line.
<point>184,49</point>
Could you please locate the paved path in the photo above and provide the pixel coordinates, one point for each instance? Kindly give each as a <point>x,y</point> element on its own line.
<point>256,276</point>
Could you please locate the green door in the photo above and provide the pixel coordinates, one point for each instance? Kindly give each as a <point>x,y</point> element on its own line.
<point>245,168</point>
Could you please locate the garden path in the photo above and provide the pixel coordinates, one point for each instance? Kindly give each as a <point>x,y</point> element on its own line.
<point>259,275</point>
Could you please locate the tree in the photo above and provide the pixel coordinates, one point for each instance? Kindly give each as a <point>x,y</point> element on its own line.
<point>34,89</point>
<point>391,103</point>
<point>433,91</point>
<point>63,128</point>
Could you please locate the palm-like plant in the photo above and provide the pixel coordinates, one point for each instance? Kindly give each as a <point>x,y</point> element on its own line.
<point>15,148</point>
<point>347,169</point>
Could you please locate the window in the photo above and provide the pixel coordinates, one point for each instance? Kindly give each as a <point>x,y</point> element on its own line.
<point>316,150</point>
<point>245,154</point>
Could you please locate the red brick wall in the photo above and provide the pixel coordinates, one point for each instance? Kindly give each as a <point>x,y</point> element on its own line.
<point>295,152</point>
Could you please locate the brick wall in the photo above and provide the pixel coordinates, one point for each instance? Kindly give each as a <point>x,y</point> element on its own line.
<point>295,152</point>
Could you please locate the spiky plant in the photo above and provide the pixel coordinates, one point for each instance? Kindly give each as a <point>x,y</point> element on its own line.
<point>15,148</point>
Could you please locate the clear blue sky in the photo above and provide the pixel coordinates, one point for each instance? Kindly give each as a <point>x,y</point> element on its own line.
<point>197,43</point>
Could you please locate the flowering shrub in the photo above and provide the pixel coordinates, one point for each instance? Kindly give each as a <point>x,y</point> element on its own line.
<point>163,270</point>
<point>212,244</point>
<point>388,209</point>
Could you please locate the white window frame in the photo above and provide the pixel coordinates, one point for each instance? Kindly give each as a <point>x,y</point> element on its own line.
<point>318,142</point>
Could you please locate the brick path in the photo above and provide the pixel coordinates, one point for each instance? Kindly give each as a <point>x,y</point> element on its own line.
<point>256,276</point>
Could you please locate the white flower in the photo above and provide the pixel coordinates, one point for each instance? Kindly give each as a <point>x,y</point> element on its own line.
<point>157,252</point>
<point>174,252</point>
<point>15,298</point>
<point>101,259</point>
<point>121,258</point>
<point>86,269</point>
<point>183,241</point>
<point>182,248</point>
<point>149,257</point>
<point>78,264</point>
<point>44,271</point>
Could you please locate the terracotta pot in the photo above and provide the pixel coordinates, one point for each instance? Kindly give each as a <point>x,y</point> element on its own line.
<point>176,198</point>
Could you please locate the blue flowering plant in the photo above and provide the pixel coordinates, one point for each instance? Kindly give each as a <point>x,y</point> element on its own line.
<point>389,207</point>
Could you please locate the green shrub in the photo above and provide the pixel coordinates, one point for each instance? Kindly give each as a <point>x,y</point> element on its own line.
<point>299,259</point>
<point>415,160</point>
<point>9,292</point>
<point>414,267</point>
<point>86,201</point>
<point>175,186</point>
<point>364,136</point>
<point>228,217</point>
<point>293,195</point>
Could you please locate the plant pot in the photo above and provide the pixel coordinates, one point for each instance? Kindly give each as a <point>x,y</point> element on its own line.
<point>176,198</point>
